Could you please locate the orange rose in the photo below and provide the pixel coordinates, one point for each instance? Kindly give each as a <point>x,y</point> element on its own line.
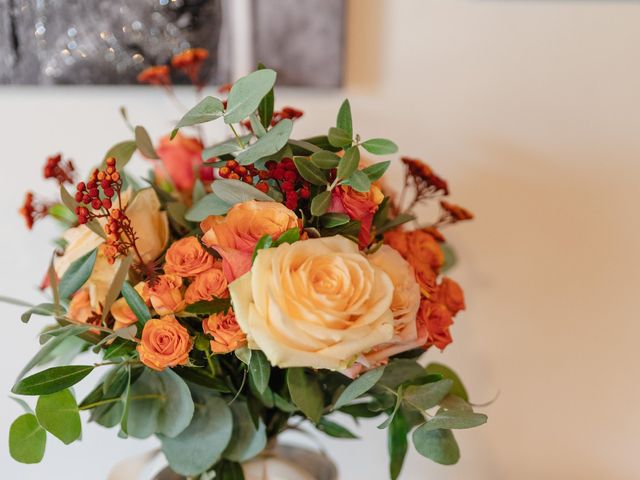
<point>434,320</point>
<point>180,157</point>
<point>235,236</point>
<point>206,286</point>
<point>165,343</point>
<point>225,331</point>
<point>165,294</point>
<point>418,247</point>
<point>360,206</point>
<point>451,295</point>
<point>426,278</point>
<point>187,258</point>
<point>122,312</point>
<point>80,310</point>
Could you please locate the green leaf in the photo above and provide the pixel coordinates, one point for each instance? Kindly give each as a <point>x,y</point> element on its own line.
<point>177,211</point>
<point>117,284</point>
<point>457,387</point>
<point>375,171</point>
<point>269,144</point>
<point>52,380</point>
<point>399,371</point>
<point>201,443</point>
<point>247,440</point>
<point>309,171</point>
<point>160,403</point>
<point>455,419</point>
<point>305,393</point>
<point>339,138</point>
<point>44,309</point>
<point>226,470</point>
<point>359,181</point>
<point>325,160</point>
<point>210,204</point>
<point>77,274</point>
<point>59,415</point>
<point>290,236</point>
<point>396,222</point>
<point>265,109</point>
<point>302,148</point>
<point>380,146</point>
<point>122,152</point>
<point>397,444</point>
<point>224,148</point>
<point>349,162</point>
<point>359,387</point>
<point>331,220</point>
<point>119,349</point>
<point>334,429</point>
<point>144,143</point>
<point>265,242</point>
<point>136,303</point>
<point>450,257</point>
<point>424,397</point>
<point>359,410</point>
<point>247,93</point>
<point>256,126</point>
<point>15,301</point>
<point>321,142</point>
<point>344,121</point>
<point>27,439</point>
<point>398,403</point>
<point>209,307</point>
<point>236,191</point>
<point>320,203</point>
<point>437,445</point>
<point>207,110</point>
<point>259,370</point>
<point>62,213</point>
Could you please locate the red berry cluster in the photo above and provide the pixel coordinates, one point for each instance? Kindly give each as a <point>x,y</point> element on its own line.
<point>291,183</point>
<point>62,172</point>
<point>234,171</point>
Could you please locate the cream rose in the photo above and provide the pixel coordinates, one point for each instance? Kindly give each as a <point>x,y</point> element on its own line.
<point>318,303</point>
<point>149,223</point>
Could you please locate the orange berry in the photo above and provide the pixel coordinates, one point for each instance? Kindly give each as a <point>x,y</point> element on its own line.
<point>232,164</point>
<point>234,176</point>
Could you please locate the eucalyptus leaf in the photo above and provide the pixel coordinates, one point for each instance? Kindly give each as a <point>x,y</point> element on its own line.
<point>305,393</point>
<point>359,387</point>
<point>397,444</point>
<point>437,445</point>
<point>247,93</point>
<point>209,108</point>
<point>454,419</point>
<point>224,148</point>
<point>349,163</point>
<point>122,152</point>
<point>257,127</point>
<point>398,403</point>
<point>236,191</point>
<point>265,109</point>
<point>52,380</point>
<point>247,440</point>
<point>144,143</point>
<point>399,371</point>
<point>210,204</point>
<point>27,439</point>
<point>457,388</point>
<point>380,146</point>
<point>320,203</point>
<point>309,171</point>
<point>160,403</point>
<point>77,274</point>
<point>344,121</point>
<point>334,429</point>
<point>269,144</point>
<point>59,415</point>
<point>424,397</point>
<point>200,445</point>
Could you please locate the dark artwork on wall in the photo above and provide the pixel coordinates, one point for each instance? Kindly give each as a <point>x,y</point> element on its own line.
<point>94,42</point>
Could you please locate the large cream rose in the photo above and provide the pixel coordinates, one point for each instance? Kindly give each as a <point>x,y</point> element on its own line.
<point>149,223</point>
<point>316,303</point>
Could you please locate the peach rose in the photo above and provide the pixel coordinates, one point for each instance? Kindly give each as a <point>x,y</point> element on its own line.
<point>206,286</point>
<point>451,295</point>
<point>165,343</point>
<point>404,305</point>
<point>225,331</point>
<point>149,223</point>
<point>318,303</point>
<point>122,312</point>
<point>434,320</point>
<point>165,294</point>
<point>180,157</point>
<point>360,206</point>
<point>80,309</point>
<point>235,236</point>
<point>187,258</point>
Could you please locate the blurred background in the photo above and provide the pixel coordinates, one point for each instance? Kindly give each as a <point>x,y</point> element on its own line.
<point>530,109</point>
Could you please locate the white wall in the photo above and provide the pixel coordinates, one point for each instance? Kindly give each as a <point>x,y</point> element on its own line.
<point>531,109</point>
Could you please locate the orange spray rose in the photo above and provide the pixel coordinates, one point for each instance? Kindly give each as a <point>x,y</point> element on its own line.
<point>450,295</point>
<point>207,285</point>
<point>165,343</point>
<point>165,294</point>
<point>434,320</point>
<point>360,206</point>
<point>187,258</point>
<point>225,331</point>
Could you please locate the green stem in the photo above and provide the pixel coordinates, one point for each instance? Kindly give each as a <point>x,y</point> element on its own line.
<point>238,139</point>
<point>214,366</point>
<point>89,406</point>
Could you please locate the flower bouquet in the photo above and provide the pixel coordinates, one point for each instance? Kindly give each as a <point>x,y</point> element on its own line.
<point>243,289</point>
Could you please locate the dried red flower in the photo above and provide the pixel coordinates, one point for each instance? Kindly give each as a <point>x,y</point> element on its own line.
<point>56,168</point>
<point>156,75</point>
<point>190,62</point>
<point>456,213</point>
<point>32,211</point>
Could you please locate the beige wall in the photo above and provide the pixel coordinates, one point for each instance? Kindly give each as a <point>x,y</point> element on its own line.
<point>531,109</point>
